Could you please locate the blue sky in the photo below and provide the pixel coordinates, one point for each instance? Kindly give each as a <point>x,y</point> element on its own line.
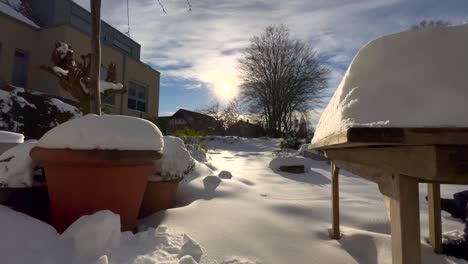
<point>196,52</point>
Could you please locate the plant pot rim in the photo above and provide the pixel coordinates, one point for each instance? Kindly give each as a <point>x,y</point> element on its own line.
<point>94,156</point>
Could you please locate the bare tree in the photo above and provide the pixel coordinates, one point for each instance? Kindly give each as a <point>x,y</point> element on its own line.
<point>225,116</point>
<point>432,24</point>
<point>231,113</point>
<point>280,76</point>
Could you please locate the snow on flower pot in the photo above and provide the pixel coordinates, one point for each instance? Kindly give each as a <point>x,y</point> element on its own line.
<point>174,165</point>
<point>9,140</point>
<point>98,163</point>
<point>19,189</point>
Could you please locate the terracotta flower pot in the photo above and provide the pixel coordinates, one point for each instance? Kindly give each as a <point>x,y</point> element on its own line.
<point>82,182</point>
<point>158,196</point>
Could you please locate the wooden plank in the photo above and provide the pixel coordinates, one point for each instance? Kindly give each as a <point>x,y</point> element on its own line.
<point>438,164</point>
<point>435,225</point>
<point>405,226</point>
<point>335,230</point>
<point>375,136</point>
<point>415,161</point>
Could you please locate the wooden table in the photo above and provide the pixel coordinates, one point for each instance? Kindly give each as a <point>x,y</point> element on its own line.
<point>397,159</point>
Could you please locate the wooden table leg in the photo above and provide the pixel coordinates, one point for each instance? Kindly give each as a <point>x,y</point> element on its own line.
<point>435,225</point>
<point>404,212</point>
<point>335,231</point>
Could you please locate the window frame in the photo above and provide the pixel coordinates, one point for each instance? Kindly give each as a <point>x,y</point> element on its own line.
<point>136,98</point>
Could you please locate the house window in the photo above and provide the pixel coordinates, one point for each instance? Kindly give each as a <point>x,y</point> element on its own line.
<point>137,97</point>
<point>20,68</point>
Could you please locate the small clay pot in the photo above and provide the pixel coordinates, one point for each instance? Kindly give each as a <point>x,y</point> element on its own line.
<point>82,182</point>
<point>158,196</point>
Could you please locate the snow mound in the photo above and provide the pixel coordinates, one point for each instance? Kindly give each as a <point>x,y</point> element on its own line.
<point>187,260</point>
<point>108,132</point>
<point>175,163</point>
<point>16,166</point>
<point>102,260</point>
<point>92,235</point>
<point>291,160</point>
<point>237,260</point>
<point>415,78</point>
<point>191,248</point>
<point>11,137</point>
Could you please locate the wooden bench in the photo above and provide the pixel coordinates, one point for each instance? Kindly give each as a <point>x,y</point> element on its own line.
<point>397,159</point>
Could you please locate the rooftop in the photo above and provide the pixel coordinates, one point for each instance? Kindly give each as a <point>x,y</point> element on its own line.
<point>13,9</point>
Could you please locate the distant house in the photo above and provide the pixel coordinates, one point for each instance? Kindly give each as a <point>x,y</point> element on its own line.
<point>28,32</point>
<point>183,119</point>
<point>245,129</point>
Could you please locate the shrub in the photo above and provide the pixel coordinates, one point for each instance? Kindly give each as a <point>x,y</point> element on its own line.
<point>32,113</point>
<point>291,142</point>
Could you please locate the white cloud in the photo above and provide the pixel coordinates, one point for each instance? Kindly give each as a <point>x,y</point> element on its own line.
<point>203,45</point>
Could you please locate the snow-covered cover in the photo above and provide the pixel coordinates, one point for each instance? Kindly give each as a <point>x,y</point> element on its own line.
<point>106,132</point>
<point>415,78</point>
<point>289,160</point>
<point>16,166</point>
<point>11,137</point>
<point>175,163</point>
<point>9,9</point>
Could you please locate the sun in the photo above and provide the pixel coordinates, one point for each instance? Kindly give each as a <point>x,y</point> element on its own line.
<point>226,91</point>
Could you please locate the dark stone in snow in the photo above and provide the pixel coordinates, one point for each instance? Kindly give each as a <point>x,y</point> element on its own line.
<point>293,169</point>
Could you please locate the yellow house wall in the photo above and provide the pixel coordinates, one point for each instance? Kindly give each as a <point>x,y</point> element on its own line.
<point>15,35</point>
<point>40,43</point>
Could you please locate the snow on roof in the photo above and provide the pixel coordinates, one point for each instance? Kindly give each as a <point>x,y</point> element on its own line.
<point>10,11</point>
<point>416,78</point>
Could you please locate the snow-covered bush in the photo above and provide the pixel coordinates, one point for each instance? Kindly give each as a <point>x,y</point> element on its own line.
<point>193,137</point>
<point>31,113</point>
<point>16,166</point>
<point>197,152</point>
<point>291,141</point>
<point>175,163</point>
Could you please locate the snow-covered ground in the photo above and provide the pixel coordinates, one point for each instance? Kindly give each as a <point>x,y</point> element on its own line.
<point>238,211</point>
<point>274,217</point>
